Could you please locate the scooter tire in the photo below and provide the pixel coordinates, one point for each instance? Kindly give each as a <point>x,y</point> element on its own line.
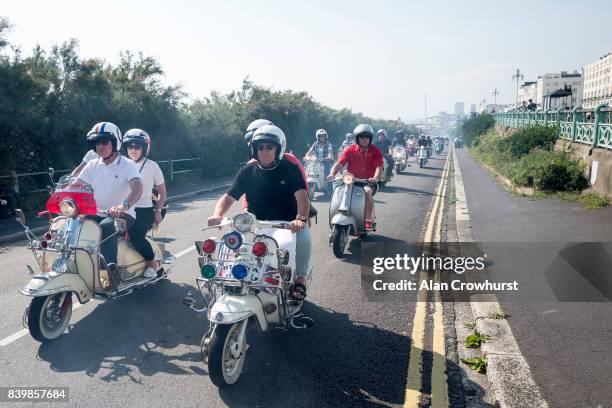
<point>339,238</point>
<point>215,357</point>
<point>35,318</point>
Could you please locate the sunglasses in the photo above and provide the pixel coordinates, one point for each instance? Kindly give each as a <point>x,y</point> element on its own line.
<point>265,147</point>
<point>102,142</point>
<point>133,147</point>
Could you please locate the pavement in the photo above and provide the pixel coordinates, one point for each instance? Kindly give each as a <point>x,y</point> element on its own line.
<point>562,325</point>
<point>144,349</point>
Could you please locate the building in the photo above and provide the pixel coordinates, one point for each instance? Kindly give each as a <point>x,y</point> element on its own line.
<point>459,109</point>
<point>473,108</point>
<point>554,88</point>
<point>527,92</point>
<point>598,82</point>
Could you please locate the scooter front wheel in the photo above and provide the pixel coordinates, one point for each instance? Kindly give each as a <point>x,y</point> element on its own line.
<point>227,354</point>
<point>339,238</point>
<point>48,316</point>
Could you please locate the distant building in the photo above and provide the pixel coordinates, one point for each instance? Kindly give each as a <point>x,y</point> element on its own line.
<point>559,90</point>
<point>598,82</point>
<point>473,108</point>
<point>459,109</point>
<point>527,92</point>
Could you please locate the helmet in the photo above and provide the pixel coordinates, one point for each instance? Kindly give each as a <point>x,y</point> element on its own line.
<point>270,134</point>
<point>363,129</point>
<point>348,136</point>
<point>139,137</point>
<point>253,126</point>
<point>399,133</point>
<point>321,132</point>
<point>105,131</point>
<point>383,131</point>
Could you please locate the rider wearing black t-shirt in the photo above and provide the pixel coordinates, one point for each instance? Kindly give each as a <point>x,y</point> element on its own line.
<point>270,193</point>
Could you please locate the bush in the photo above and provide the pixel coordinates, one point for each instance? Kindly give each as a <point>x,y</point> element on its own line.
<point>551,171</point>
<point>473,128</point>
<point>523,141</point>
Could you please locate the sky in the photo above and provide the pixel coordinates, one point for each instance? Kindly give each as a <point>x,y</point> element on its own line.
<point>376,57</point>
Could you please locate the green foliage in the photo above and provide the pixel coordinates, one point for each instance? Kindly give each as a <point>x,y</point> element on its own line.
<point>524,140</point>
<point>549,171</point>
<point>478,364</point>
<point>473,128</point>
<point>476,339</point>
<point>51,99</point>
<point>499,315</point>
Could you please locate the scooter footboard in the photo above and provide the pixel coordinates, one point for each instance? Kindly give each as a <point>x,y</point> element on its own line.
<point>231,309</point>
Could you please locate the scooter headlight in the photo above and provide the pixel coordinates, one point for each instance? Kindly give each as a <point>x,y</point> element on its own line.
<point>68,208</point>
<point>348,178</point>
<point>239,271</point>
<point>243,222</point>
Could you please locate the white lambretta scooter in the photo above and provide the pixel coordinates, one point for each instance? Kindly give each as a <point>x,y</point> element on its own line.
<point>347,212</point>
<point>422,156</point>
<point>315,176</point>
<point>70,261</point>
<point>246,275</point>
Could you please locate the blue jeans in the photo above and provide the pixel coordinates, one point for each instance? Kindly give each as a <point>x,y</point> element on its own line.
<point>303,246</point>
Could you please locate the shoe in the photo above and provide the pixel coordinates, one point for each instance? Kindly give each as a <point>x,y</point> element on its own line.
<point>368,224</point>
<point>149,273</point>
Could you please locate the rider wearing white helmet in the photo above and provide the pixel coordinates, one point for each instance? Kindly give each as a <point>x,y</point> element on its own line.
<point>322,148</point>
<point>275,191</point>
<point>116,184</point>
<point>137,145</point>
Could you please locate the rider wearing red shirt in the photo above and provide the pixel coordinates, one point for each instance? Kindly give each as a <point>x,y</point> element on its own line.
<point>364,161</point>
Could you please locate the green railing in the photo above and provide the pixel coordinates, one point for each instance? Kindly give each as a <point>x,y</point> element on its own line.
<point>578,125</point>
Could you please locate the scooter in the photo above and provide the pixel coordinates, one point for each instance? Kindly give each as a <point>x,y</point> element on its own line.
<point>247,275</point>
<point>438,147</point>
<point>347,212</point>
<point>315,175</point>
<point>411,148</point>
<point>69,259</point>
<point>422,156</point>
<point>400,158</point>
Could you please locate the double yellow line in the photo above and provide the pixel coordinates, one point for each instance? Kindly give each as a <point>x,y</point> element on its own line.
<point>439,389</point>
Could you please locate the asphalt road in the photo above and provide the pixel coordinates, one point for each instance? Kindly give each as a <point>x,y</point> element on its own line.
<point>144,349</point>
<point>567,343</point>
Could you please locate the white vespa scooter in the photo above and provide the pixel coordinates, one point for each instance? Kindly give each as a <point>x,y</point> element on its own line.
<point>347,212</point>
<point>69,258</point>
<point>422,156</point>
<point>246,275</point>
<point>400,157</point>
<point>315,176</point>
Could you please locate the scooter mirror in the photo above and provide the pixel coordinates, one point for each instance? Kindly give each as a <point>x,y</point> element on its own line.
<point>20,216</point>
<point>49,190</point>
<point>51,171</point>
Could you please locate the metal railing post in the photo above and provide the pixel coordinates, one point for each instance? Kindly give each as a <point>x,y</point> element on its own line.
<point>574,123</point>
<point>171,172</point>
<point>597,120</point>
<point>15,181</point>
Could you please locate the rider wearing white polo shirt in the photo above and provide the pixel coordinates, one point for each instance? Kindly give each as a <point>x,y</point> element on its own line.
<point>116,183</point>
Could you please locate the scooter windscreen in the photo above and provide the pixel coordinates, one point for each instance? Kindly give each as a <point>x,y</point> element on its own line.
<point>71,187</point>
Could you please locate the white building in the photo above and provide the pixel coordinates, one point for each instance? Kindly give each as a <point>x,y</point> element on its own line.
<point>552,90</point>
<point>527,92</point>
<point>598,82</point>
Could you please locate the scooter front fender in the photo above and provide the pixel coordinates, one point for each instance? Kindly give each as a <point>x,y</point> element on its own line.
<point>344,219</point>
<point>231,309</point>
<point>52,283</point>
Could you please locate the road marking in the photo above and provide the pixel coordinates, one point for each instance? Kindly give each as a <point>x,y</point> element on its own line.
<point>23,332</point>
<point>417,339</point>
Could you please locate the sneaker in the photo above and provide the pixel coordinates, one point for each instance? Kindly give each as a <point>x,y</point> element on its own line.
<point>149,273</point>
<point>368,224</point>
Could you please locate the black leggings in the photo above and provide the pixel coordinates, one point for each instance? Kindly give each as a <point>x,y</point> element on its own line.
<point>144,222</point>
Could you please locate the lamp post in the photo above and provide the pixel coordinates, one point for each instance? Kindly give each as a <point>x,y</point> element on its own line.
<point>495,93</point>
<point>518,76</point>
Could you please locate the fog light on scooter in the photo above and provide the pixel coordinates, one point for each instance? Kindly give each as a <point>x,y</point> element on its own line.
<point>239,271</point>
<point>348,178</point>
<point>233,240</point>
<point>208,271</point>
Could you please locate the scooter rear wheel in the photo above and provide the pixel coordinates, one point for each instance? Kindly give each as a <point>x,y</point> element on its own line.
<point>47,319</point>
<point>224,367</point>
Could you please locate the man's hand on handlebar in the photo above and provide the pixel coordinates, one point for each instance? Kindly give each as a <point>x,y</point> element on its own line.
<point>372,180</point>
<point>214,221</point>
<point>117,211</point>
